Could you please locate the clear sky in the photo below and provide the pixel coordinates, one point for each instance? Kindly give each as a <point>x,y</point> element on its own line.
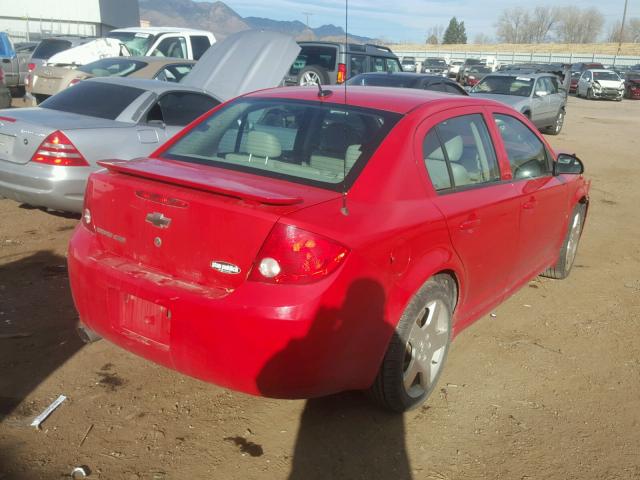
<point>409,20</point>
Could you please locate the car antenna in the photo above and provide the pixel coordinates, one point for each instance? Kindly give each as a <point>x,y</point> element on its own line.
<point>345,210</point>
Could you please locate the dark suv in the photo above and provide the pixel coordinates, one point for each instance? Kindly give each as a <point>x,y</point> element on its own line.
<point>333,62</point>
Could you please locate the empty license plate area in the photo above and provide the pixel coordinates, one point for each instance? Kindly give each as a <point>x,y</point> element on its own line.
<point>6,145</point>
<point>144,318</point>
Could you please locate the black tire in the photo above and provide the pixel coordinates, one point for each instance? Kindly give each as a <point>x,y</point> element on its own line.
<point>311,72</point>
<point>569,248</point>
<point>556,128</point>
<point>431,308</point>
<point>590,94</point>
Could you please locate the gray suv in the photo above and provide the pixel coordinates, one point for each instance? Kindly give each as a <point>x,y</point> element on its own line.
<point>327,63</point>
<point>537,96</point>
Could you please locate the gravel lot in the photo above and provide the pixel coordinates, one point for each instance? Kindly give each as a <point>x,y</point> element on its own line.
<point>549,388</point>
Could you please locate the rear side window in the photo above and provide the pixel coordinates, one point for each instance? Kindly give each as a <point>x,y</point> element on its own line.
<point>95,99</point>
<point>458,153</point>
<point>527,154</point>
<point>180,108</point>
<point>199,45</point>
<point>358,64</point>
<point>320,56</point>
<point>49,47</point>
<point>306,142</point>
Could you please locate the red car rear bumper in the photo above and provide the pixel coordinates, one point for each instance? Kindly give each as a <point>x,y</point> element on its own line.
<point>271,340</point>
<point>634,93</point>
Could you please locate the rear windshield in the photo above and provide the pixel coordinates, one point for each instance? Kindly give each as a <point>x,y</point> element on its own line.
<point>505,85</point>
<point>320,56</point>
<point>305,142</point>
<point>49,47</point>
<point>116,67</point>
<point>95,99</point>
<point>138,43</point>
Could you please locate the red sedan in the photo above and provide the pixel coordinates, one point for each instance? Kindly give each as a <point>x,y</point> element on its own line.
<point>294,243</point>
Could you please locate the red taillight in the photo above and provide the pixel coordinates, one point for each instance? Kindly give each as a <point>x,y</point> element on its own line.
<point>31,67</point>
<point>57,149</point>
<point>294,256</point>
<point>342,72</point>
<point>162,199</point>
<point>74,81</point>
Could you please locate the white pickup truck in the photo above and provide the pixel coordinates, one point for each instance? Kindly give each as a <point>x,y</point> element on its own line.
<point>164,41</point>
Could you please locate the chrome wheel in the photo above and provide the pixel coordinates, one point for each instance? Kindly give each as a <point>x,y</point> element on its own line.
<point>574,238</point>
<point>309,78</point>
<point>425,348</point>
<point>559,122</point>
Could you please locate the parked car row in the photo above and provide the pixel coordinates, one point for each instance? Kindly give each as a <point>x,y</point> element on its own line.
<point>285,188</point>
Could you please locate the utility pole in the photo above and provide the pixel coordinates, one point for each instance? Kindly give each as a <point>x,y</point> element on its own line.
<point>624,20</point>
<point>308,14</point>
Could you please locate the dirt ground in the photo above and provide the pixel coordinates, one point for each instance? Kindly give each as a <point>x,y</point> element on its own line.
<point>548,388</point>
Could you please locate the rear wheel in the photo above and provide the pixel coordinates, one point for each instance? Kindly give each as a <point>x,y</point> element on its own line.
<point>418,349</point>
<point>313,75</point>
<point>569,248</point>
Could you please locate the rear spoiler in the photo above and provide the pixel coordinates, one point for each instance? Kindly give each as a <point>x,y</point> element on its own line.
<point>198,177</point>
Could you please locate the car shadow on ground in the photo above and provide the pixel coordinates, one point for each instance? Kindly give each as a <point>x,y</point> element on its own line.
<point>343,436</point>
<point>37,329</point>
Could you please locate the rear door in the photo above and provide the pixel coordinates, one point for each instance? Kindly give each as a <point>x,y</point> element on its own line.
<point>481,209</point>
<point>542,196</point>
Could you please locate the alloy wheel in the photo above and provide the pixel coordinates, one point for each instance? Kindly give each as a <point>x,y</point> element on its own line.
<point>426,348</point>
<point>310,78</point>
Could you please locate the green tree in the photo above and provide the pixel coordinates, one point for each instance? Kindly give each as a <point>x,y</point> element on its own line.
<point>455,32</point>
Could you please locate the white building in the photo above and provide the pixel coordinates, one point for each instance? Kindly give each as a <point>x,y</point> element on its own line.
<point>34,19</point>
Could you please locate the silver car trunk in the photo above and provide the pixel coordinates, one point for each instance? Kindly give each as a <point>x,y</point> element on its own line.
<point>243,62</point>
<point>23,130</point>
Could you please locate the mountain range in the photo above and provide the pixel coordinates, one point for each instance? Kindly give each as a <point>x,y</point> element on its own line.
<point>222,20</point>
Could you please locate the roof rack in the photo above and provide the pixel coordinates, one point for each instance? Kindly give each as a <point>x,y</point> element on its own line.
<point>379,47</point>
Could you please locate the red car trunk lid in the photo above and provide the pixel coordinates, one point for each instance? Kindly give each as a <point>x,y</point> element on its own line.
<point>195,223</point>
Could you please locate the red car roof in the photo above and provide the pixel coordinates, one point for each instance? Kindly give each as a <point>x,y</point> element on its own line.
<point>398,100</point>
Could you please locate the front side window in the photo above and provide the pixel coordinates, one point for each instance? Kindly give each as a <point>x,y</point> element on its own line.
<point>175,47</point>
<point>358,64</point>
<point>527,154</point>
<point>458,153</point>
<point>305,142</point>
<point>137,43</point>
<point>377,64</point>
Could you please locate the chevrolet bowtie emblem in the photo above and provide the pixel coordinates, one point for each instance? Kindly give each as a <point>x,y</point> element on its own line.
<point>158,220</point>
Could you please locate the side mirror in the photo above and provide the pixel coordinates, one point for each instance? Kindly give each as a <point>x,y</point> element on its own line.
<point>568,165</point>
<point>6,60</point>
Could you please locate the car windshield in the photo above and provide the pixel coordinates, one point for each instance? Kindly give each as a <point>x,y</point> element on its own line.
<point>324,57</point>
<point>386,80</point>
<point>435,62</point>
<point>305,142</point>
<point>49,47</point>
<point>408,61</point>
<point>505,85</point>
<point>113,67</point>
<point>94,99</point>
<point>138,43</point>
<point>606,76</point>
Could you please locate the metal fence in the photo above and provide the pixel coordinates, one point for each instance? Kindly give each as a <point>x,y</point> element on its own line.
<point>520,57</point>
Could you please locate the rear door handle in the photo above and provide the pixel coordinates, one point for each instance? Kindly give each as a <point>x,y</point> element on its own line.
<point>469,224</point>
